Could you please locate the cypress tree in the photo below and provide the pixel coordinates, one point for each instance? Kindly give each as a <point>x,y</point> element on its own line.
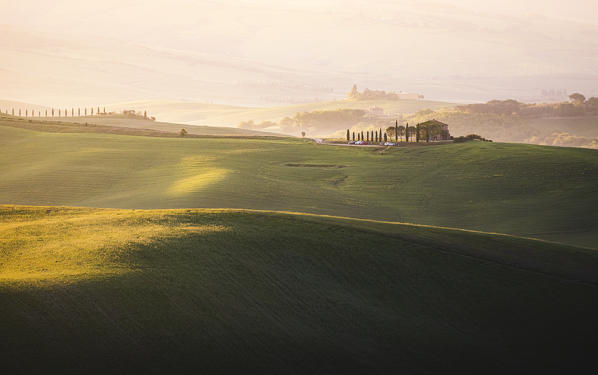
<point>19,112</point>
<point>348,136</point>
<point>13,111</point>
<point>407,132</point>
<point>79,111</point>
<point>72,112</point>
<point>385,138</point>
<point>26,113</point>
<point>353,136</point>
<point>46,113</point>
<point>396,131</point>
<point>362,135</point>
<point>85,110</point>
<point>92,111</point>
<point>417,133</point>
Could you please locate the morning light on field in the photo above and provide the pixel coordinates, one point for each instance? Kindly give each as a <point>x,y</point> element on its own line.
<point>298,187</point>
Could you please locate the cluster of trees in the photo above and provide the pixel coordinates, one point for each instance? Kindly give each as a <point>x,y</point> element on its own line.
<point>421,132</point>
<point>323,120</point>
<point>368,94</point>
<point>578,106</point>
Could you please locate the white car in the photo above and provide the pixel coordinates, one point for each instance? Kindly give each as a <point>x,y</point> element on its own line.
<point>359,142</point>
<point>389,144</point>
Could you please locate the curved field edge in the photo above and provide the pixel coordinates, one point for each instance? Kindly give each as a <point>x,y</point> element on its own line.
<point>143,226</point>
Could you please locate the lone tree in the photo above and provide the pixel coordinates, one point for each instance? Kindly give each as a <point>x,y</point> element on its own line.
<point>303,134</point>
<point>577,98</point>
<point>348,136</point>
<point>183,132</point>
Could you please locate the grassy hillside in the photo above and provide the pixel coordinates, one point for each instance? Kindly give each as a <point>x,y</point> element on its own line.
<point>126,126</point>
<point>237,291</point>
<point>543,192</point>
<point>221,115</point>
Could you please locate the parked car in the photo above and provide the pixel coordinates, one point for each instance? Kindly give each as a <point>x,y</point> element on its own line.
<point>352,142</point>
<point>389,144</point>
<point>359,142</point>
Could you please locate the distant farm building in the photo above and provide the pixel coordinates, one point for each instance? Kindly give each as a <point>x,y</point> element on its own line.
<point>444,135</point>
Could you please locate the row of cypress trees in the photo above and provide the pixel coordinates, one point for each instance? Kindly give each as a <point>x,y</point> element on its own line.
<point>59,112</point>
<point>377,136</point>
<point>370,135</point>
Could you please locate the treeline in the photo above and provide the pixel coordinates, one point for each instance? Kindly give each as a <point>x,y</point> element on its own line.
<point>316,121</point>
<point>368,94</point>
<point>323,120</point>
<point>578,106</point>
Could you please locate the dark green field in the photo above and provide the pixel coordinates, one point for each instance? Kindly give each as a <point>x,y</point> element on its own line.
<point>255,292</point>
<point>526,190</point>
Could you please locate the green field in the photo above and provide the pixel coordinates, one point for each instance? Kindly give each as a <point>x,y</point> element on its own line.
<point>225,291</point>
<point>526,190</point>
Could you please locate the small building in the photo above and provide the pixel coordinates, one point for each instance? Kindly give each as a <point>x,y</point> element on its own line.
<point>444,135</point>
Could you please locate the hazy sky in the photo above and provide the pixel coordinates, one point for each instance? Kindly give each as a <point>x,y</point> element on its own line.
<point>459,49</point>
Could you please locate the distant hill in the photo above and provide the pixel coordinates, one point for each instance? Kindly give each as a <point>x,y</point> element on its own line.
<point>126,126</point>
<point>558,124</point>
<point>223,115</point>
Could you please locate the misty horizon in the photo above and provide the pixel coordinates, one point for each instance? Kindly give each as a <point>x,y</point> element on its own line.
<point>264,53</point>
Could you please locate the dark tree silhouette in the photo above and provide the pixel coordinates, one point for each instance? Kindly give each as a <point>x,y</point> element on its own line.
<point>385,138</point>
<point>407,132</point>
<point>353,136</point>
<point>348,137</point>
<point>396,130</point>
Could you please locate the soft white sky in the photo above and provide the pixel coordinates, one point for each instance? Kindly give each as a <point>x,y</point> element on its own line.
<point>510,48</point>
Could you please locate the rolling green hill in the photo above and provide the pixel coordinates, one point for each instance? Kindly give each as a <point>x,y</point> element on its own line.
<point>526,190</point>
<point>263,292</point>
<point>126,126</point>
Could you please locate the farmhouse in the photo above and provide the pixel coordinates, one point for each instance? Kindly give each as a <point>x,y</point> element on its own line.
<point>444,134</point>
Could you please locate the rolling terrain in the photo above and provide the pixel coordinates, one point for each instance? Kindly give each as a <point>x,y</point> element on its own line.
<point>244,291</point>
<point>524,190</point>
<point>225,115</point>
<point>126,126</point>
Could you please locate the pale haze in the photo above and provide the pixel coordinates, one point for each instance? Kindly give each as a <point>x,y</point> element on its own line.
<point>265,53</point>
